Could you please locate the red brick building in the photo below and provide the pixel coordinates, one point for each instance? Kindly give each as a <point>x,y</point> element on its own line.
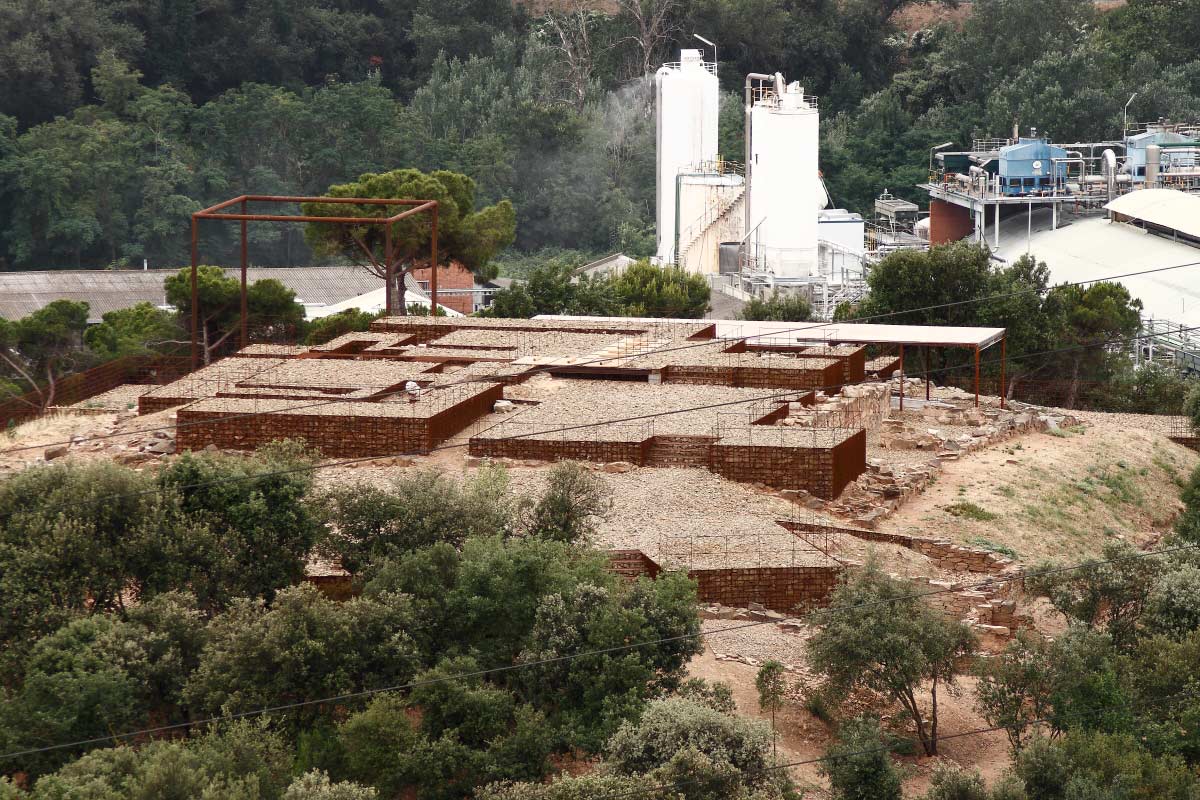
<point>454,277</point>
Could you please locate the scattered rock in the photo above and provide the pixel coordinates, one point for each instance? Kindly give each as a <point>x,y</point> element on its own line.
<point>57,451</point>
<point>618,467</point>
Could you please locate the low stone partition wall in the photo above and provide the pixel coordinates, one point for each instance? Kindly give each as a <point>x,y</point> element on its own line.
<point>942,552</point>
<point>782,589</point>
<point>821,471</point>
<point>601,451</point>
<point>829,377</point>
<point>351,432</point>
<point>1190,442</point>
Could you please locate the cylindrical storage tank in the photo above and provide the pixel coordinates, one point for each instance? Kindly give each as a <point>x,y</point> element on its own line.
<point>687,97</point>
<point>785,130</point>
<point>730,258</point>
<point>1153,159</point>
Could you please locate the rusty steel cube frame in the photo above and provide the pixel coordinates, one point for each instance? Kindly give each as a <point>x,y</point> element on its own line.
<point>217,212</point>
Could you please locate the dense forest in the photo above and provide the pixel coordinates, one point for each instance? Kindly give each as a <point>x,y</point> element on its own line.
<point>118,118</point>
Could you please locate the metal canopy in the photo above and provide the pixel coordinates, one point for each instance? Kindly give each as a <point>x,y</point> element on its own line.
<point>848,332</point>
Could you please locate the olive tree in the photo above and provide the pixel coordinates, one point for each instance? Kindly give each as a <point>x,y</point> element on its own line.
<point>876,635</point>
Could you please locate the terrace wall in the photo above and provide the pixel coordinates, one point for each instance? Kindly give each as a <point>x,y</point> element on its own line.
<point>84,385</point>
<point>823,472</point>
<point>828,378</point>
<point>335,436</point>
<point>782,589</point>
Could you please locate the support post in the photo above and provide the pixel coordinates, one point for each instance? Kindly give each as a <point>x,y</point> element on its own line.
<point>433,263</point>
<point>195,295</point>
<point>996,233</point>
<point>926,373</point>
<point>1003,359</point>
<point>245,336</point>
<point>387,267</point>
<point>977,376</point>
<point>902,377</point>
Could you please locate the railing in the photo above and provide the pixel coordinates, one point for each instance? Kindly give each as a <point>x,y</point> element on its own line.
<point>708,66</point>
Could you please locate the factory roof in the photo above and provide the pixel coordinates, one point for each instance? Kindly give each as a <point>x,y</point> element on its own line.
<point>1094,249</point>
<point>1166,208</point>
<point>843,332</point>
<point>104,290</point>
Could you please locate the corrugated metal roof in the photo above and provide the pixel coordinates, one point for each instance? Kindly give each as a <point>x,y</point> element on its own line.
<point>1167,208</point>
<point>22,293</point>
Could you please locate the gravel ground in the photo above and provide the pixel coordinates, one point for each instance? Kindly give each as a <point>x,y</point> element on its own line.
<point>580,402</point>
<point>758,642</point>
<point>122,398</point>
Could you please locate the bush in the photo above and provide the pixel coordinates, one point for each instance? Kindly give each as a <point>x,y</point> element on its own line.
<point>1173,607</point>
<point>717,754</point>
<point>328,328</point>
<point>372,524</point>
<point>858,766</point>
<point>303,647</point>
<point>566,512</point>
<point>790,307</point>
<point>316,785</point>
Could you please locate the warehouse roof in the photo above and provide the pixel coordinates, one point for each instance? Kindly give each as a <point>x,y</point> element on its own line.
<point>1166,208</point>
<point>104,290</point>
<point>843,332</point>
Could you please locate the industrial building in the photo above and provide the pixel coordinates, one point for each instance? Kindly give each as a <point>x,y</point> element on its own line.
<point>760,225</point>
<point>971,191</point>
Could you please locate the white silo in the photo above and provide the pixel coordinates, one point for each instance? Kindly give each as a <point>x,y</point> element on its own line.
<point>687,96</point>
<point>784,182</point>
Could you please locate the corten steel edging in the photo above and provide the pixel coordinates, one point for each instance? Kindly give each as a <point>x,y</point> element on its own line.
<point>417,206</point>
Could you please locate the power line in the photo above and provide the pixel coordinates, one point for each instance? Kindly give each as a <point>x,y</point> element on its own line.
<point>705,343</point>
<point>571,657</point>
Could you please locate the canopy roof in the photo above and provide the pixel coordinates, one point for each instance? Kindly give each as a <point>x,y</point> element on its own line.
<point>850,333</point>
<point>1167,208</point>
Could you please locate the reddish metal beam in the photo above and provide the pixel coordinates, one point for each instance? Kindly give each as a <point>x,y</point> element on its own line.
<point>977,377</point>
<point>195,293</point>
<point>425,206</point>
<point>245,334</point>
<point>353,201</point>
<point>1003,359</point>
<point>433,263</point>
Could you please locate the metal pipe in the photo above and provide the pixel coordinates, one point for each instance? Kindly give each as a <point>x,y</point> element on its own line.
<point>750,78</point>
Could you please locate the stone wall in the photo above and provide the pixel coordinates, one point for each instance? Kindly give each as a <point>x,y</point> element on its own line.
<point>782,589</point>
<point>335,436</point>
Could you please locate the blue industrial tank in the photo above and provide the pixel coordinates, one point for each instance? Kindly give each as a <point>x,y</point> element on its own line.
<point>1028,167</point>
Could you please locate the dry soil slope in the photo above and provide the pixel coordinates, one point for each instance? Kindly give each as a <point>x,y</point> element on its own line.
<point>1060,496</point>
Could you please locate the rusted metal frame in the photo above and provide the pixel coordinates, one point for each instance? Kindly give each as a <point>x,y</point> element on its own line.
<point>195,293</point>
<point>211,212</point>
<point>433,263</point>
<point>902,377</point>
